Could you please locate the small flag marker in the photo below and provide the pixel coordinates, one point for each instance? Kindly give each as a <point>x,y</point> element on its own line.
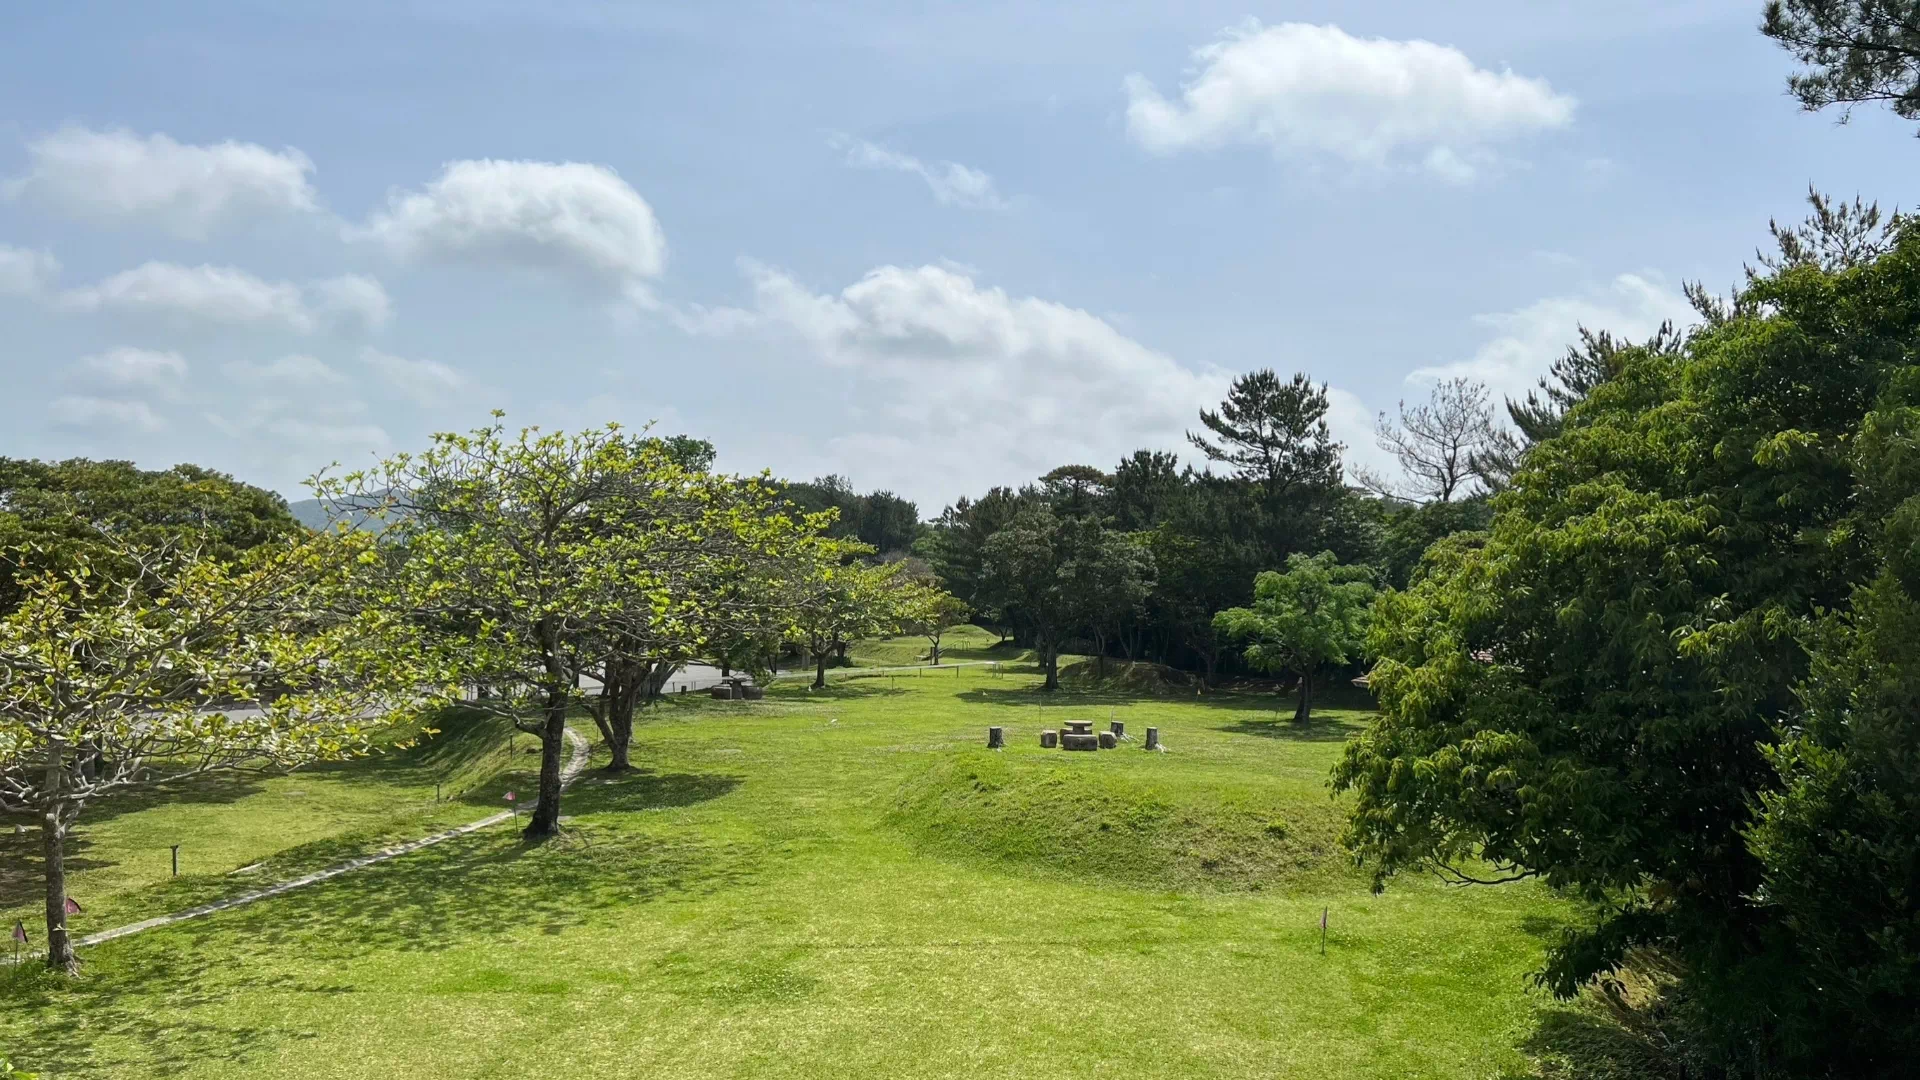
<point>19,939</point>
<point>73,906</point>
<point>513,806</point>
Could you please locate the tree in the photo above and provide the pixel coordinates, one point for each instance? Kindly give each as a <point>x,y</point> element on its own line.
<point>955,545</point>
<point>932,612</point>
<point>1437,443</point>
<point>1673,677</point>
<point>60,515</point>
<point>537,551</point>
<point>179,663</point>
<point>1854,51</point>
<point>734,579</point>
<point>1024,571</point>
<point>848,601</point>
<point>1570,380</point>
<point>1145,486</point>
<point>1313,614</point>
<point>1273,434</point>
<point>1108,576</point>
<point>1079,490</point>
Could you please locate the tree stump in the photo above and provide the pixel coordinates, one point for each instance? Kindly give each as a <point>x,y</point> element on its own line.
<point>1074,740</point>
<point>1153,738</point>
<point>1107,741</point>
<point>1119,729</point>
<point>996,738</point>
<point>1049,739</point>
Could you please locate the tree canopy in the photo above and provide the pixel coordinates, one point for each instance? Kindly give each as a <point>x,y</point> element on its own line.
<point>1661,668</point>
<point>1313,614</point>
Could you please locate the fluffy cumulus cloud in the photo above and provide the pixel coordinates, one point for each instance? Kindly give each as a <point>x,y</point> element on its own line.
<point>25,272</point>
<point>85,412</point>
<point>577,219</point>
<point>1526,341</point>
<point>426,383</point>
<point>118,177</point>
<point>950,375</point>
<point>225,296</point>
<point>951,183</point>
<point>1317,92</point>
<point>133,371</point>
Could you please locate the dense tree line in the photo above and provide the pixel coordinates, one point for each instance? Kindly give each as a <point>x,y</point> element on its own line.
<point>1176,544</point>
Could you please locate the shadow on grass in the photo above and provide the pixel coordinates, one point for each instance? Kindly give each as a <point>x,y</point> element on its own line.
<point>482,888</point>
<point>1572,1042</point>
<point>1318,728</point>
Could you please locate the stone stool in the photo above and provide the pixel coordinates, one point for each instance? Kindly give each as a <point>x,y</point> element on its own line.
<point>1049,739</point>
<point>1107,741</point>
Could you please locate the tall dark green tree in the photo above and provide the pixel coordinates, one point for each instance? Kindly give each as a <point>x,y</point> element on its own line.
<point>1671,677</point>
<point>1852,51</point>
<point>1273,434</point>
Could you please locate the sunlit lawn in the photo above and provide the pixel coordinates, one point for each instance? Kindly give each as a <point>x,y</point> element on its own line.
<point>827,885</point>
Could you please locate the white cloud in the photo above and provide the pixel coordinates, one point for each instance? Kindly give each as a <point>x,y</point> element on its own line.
<point>76,411</point>
<point>227,296</point>
<point>425,382</point>
<point>952,183</point>
<point>352,302</point>
<point>115,177</point>
<point>1316,91</point>
<point>25,272</point>
<point>127,369</point>
<point>571,217</point>
<point>946,374</point>
<point>209,294</point>
<point>1528,340</point>
<point>294,369</point>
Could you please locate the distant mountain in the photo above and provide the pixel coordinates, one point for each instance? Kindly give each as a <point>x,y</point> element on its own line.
<point>317,514</point>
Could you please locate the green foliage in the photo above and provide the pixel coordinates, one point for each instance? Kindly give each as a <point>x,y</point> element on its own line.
<point>57,516</point>
<point>1312,615</point>
<point>1655,683</point>
<point>545,556</point>
<point>848,600</point>
<point>176,664</point>
<point>1854,51</point>
<point>881,520</point>
<point>1054,576</point>
<point>1273,434</point>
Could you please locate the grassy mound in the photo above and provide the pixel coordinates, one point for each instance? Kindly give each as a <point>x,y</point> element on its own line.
<point>1094,817</point>
<point>1132,676</point>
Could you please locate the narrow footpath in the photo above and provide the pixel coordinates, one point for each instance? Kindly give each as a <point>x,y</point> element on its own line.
<point>577,755</point>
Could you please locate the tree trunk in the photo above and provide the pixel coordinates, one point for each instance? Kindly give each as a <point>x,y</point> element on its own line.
<point>625,679</point>
<point>820,670</point>
<point>54,850</point>
<point>1050,660</point>
<point>936,650</point>
<point>545,820</point>
<point>1211,658</point>
<point>1305,709</point>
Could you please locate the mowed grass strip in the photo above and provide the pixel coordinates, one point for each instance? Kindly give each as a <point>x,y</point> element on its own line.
<point>840,883</point>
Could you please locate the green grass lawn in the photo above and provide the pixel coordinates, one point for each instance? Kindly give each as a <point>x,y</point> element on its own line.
<point>833,884</point>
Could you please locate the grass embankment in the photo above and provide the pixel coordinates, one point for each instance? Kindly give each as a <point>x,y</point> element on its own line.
<point>241,831</point>
<point>846,884</point>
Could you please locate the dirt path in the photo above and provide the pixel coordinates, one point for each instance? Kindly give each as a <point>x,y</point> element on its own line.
<point>577,756</point>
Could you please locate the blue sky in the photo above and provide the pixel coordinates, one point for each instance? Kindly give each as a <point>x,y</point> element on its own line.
<point>932,247</point>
